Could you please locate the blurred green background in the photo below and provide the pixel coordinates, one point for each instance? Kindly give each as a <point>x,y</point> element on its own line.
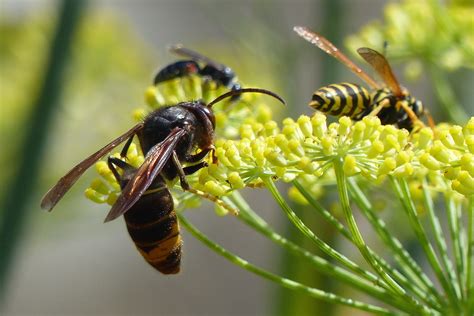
<point>69,262</point>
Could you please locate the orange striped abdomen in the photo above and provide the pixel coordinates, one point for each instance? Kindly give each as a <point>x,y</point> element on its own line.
<point>341,99</point>
<point>153,227</point>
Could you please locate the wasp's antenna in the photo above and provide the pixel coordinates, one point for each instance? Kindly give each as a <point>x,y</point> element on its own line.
<point>245,90</point>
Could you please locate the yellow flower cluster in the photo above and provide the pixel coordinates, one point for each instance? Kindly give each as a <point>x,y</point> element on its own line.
<point>308,148</point>
<point>447,44</point>
<point>252,148</point>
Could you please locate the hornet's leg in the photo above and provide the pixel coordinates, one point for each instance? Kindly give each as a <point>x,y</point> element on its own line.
<point>112,162</point>
<point>125,148</point>
<point>185,185</point>
<point>200,155</point>
<point>192,169</point>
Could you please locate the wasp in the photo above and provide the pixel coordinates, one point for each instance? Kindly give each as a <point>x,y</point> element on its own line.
<point>219,73</point>
<point>175,141</point>
<point>392,104</point>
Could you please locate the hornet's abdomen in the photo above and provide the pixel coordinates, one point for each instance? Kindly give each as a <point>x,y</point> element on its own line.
<point>175,70</point>
<point>343,99</point>
<point>154,228</point>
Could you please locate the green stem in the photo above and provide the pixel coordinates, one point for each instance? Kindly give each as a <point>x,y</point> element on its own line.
<point>379,225</point>
<point>470,252</point>
<point>15,205</point>
<point>360,243</point>
<point>322,211</point>
<point>419,282</point>
<point>321,244</point>
<point>290,284</point>
<point>439,239</point>
<point>455,276</point>
<point>401,188</point>
<point>248,216</point>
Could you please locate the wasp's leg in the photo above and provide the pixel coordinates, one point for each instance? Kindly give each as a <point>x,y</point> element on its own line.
<point>181,174</point>
<point>379,107</point>
<point>185,185</point>
<point>430,119</point>
<point>413,117</point>
<point>201,155</point>
<point>194,168</point>
<point>125,148</point>
<point>112,162</point>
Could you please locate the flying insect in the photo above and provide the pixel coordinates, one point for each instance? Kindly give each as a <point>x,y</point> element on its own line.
<point>392,104</point>
<point>170,137</point>
<point>219,73</point>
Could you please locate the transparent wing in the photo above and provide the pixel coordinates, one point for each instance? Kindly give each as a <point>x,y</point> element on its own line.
<point>180,50</point>
<point>328,47</point>
<point>52,197</point>
<point>382,67</point>
<point>156,159</point>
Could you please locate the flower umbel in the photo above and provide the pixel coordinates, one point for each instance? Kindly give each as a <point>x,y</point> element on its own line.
<point>422,170</point>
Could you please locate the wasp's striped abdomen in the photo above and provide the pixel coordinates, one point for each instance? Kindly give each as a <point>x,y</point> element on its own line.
<point>154,228</point>
<point>341,99</point>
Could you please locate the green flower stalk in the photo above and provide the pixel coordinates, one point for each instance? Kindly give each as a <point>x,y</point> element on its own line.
<point>428,174</point>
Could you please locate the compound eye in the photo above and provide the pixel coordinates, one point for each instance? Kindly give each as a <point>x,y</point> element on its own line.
<point>210,116</point>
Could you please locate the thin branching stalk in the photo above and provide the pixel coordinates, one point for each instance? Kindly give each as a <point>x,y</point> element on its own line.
<point>360,243</point>
<point>270,185</point>
<point>248,216</point>
<point>321,210</point>
<point>328,297</point>
<point>454,230</point>
<point>470,252</point>
<point>438,234</point>
<point>418,281</point>
<point>408,284</point>
<point>401,188</point>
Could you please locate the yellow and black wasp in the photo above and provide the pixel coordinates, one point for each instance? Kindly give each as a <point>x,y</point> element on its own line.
<point>392,103</point>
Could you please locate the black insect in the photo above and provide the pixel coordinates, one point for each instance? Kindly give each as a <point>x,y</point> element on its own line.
<point>221,74</point>
<point>170,137</point>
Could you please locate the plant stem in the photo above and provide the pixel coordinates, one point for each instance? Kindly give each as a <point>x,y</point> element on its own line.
<point>403,193</point>
<point>454,230</point>
<point>379,225</point>
<point>21,186</point>
<point>360,243</point>
<point>440,241</point>
<point>470,252</point>
<point>270,185</point>
<point>248,216</point>
<point>290,284</point>
<point>325,213</point>
<point>419,282</point>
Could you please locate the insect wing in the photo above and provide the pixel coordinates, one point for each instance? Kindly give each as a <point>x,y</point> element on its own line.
<point>325,45</point>
<point>179,49</point>
<point>156,159</point>
<point>55,194</point>
<point>382,67</point>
